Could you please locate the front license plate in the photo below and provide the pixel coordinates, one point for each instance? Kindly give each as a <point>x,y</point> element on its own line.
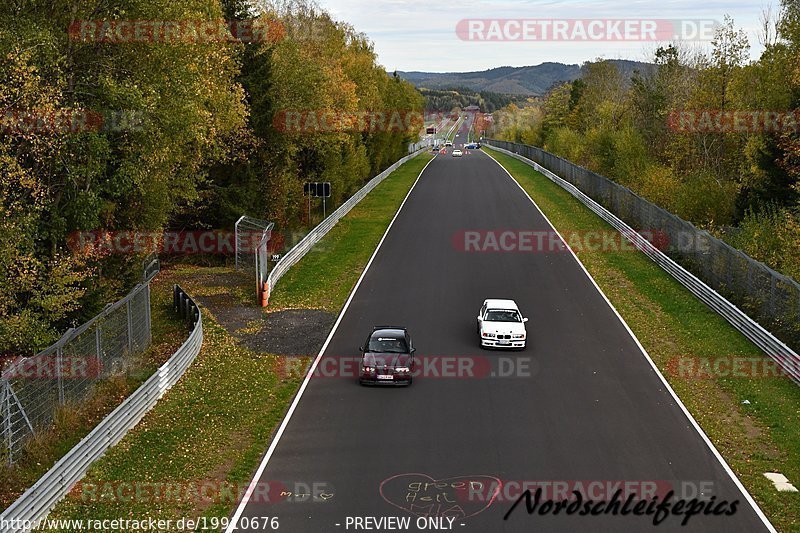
<point>385,377</point>
<point>504,342</point>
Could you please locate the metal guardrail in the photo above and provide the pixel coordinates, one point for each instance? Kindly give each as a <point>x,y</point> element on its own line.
<point>294,255</point>
<point>772,346</point>
<point>35,504</point>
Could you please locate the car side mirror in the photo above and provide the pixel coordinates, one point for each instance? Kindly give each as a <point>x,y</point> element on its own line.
<point>360,348</point>
<point>524,319</point>
<point>479,318</point>
<point>413,350</point>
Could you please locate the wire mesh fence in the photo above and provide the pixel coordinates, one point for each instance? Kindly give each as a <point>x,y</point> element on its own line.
<point>33,389</point>
<point>767,296</point>
<point>252,237</point>
<point>35,504</point>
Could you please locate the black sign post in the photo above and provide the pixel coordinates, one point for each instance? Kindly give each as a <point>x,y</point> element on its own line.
<point>317,189</point>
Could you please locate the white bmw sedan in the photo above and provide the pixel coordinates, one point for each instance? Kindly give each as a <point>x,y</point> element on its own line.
<point>501,325</point>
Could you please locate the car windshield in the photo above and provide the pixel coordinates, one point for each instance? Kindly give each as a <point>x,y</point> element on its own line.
<point>387,345</point>
<point>502,315</point>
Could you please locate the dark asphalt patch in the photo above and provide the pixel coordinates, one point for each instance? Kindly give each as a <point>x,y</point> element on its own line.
<point>285,332</point>
<point>291,332</point>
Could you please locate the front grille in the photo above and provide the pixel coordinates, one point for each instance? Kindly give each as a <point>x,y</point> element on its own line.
<point>504,336</point>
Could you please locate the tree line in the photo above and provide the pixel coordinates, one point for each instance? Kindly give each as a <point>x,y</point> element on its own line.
<point>443,100</point>
<point>143,115</point>
<point>712,136</point>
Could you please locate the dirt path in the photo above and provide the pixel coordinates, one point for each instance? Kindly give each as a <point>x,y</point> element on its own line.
<point>228,297</point>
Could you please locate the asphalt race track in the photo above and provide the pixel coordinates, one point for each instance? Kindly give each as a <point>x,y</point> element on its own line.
<point>580,405</point>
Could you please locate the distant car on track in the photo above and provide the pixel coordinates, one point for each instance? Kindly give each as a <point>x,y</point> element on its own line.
<point>387,357</point>
<point>448,143</point>
<point>501,325</point>
<point>457,153</point>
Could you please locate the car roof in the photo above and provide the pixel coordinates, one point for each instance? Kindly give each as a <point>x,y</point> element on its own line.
<point>496,303</point>
<point>388,331</point>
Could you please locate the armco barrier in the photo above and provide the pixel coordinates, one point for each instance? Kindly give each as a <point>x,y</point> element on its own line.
<point>35,504</point>
<point>315,235</point>
<point>772,346</point>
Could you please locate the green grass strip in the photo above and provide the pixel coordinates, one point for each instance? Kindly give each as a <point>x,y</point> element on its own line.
<point>756,437</point>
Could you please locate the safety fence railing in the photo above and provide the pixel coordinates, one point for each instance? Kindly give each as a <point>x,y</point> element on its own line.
<point>294,255</point>
<point>248,233</point>
<point>35,504</point>
<point>416,147</point>
<point>32,389</point>
<point>252,236</point>
<point>620,207</point>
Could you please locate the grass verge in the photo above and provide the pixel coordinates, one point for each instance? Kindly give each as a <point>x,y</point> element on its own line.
<point>72,422</point>
<point>762,435</point>
<point>341,256</point>
<point>210,431</point>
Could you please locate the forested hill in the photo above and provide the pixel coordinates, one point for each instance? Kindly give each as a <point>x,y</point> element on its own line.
<point>526,81</point>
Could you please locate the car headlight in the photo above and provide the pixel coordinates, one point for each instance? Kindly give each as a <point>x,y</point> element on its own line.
<point>490,335</point>
<point>402,369</point>
<point>519,336</point>
<point>368,369</point>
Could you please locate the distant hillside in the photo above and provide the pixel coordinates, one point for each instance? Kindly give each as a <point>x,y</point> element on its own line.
<point>526,81</point>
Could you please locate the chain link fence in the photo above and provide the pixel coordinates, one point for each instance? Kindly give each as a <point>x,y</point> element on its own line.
<point>35,504</point>
<point>252,242</point>
<point>33,389</point>
<point>767,296</point>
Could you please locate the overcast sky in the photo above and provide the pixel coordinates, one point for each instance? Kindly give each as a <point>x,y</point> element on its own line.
<point>421,35</point>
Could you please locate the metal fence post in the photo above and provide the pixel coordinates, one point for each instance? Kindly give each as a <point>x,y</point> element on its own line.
<point>130,326</point>
<point>5,406</point>
<point>236,242</point>
<point>148,316</point>
<point>98,346</point>
<point>59,363</point>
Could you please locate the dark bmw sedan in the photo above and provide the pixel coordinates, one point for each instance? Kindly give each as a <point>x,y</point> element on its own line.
<point>387,357</point>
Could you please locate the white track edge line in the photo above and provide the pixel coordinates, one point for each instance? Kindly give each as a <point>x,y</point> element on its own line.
<point>703,436</point>
<point>246,498</point>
